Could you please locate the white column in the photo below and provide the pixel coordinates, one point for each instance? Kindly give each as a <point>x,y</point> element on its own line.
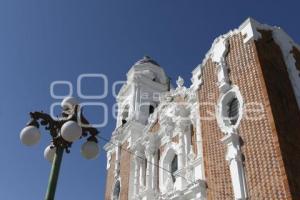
<point>118,159</point>
<point>223,80</point>
<point>133,107</point>
<point>136,175</point>
<point>155,171</point>
<point>187,140</point>
<point>183,128</point>
<point>181,152</point>
<point>198,131</point>
<point>142,172</point>
<point>180,180</point>
<point>149,176</point>
<point>234,158</point>
<point>182,155</point>
<point>137,101</point>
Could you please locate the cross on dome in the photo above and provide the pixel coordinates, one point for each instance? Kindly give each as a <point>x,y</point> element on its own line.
<point>147,59</point>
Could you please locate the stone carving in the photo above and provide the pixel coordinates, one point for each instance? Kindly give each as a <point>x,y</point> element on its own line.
<point>180,82</point>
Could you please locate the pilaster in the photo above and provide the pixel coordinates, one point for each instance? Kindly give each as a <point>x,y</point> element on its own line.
<point>235,160</point>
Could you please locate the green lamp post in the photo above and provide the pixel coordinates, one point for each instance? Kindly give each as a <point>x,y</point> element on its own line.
<point>64,131</point>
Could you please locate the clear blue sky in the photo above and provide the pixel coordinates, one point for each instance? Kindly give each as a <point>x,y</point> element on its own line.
<point>44,41</point>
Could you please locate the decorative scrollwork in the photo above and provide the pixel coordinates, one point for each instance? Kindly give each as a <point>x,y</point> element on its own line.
<point>54,126</point>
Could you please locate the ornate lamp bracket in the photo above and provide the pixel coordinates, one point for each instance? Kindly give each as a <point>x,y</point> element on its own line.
<point>54,126</point>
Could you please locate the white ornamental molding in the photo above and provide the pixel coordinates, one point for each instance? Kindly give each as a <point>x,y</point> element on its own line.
<point>223,119</point>
<point>165,180</point>
<point>180,82</point>
<point>196,78</point>
<point>250,31</point>
<point>166,97</point>
<point>167,128</point>
<point>151,148</point>
<point>232,139</point>
<point>108,156</point>
<point>223,79</point>
<point>182,126</point>
<point>234,157</point>
<point>191,156</point>
<point>181,90</point>
<point>118,160</point>
<point>182,111</point>
<point>218,56</point>
<point>166,122</point>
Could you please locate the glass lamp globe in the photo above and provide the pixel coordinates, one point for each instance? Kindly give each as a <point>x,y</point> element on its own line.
<point>30,135</point>
<point>90,150</point>
<point>71,131</point>
<point>49,153</point>
<point>69,103</point>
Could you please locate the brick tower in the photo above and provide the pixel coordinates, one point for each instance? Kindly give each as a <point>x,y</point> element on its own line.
<point>233,134</point>
<point>252,149</point>
<point>136,100</point>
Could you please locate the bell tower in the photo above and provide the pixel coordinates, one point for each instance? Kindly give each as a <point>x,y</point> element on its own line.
<point>136,101</point>
<point>139,96</point>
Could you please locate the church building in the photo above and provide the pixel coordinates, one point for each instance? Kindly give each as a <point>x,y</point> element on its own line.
<point>233,134</point>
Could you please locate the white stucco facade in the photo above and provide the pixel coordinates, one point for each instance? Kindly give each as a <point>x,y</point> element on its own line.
<point>163,129</point>
<point>150,171</point>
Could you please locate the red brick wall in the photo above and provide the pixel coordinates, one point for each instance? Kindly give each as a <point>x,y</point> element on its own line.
<point>263,165</point>
<point>110,178</point>
<point>284,108</point>
<point>216,171</point>
<point>124,174</point>
<point>125,171</point>
<point>263,139</point>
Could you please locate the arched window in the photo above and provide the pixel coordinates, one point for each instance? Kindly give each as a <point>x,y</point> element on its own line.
<point>117,189</point>
<point>125,114</point>
<point>174,167</point>
<point>230,110</point>
<point>233,111</point>
<point>151,109</point>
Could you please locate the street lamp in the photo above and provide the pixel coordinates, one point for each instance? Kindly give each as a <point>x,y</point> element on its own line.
<point>64,131</point>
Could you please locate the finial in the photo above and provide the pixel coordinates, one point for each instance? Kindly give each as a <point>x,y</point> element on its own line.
<point>146,59</point>
<point>180,82</point>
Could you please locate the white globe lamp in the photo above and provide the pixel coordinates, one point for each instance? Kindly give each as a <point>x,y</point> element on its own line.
<point>49,153</point>
<point>71,131</point>
<point>30,135</point>
<point>90,150</point>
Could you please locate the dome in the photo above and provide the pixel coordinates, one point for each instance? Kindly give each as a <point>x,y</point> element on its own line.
<point>146,59</point>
